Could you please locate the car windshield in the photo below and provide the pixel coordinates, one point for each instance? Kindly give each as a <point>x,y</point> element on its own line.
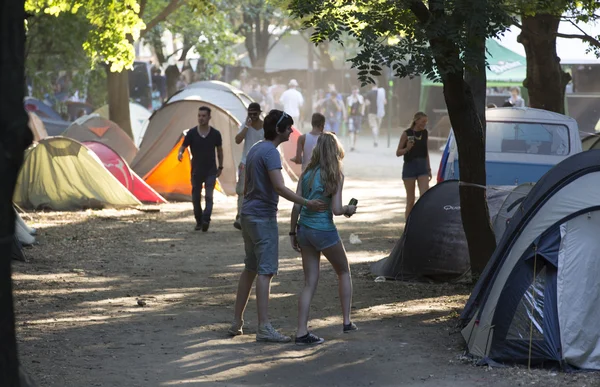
<point>527,137</point>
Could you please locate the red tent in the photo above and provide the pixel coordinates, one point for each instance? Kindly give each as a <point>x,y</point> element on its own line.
<point>289,150</point>
<point>119,168</point>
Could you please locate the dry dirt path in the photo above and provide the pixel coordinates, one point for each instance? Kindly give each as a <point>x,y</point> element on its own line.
<point>80,324</point>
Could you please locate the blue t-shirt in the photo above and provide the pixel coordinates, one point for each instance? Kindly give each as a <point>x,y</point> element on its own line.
<point>318,220</point>
<point>260,198</point>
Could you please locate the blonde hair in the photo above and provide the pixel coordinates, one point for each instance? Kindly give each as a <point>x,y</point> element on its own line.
<point>417,117</point>
<point>328,155</point>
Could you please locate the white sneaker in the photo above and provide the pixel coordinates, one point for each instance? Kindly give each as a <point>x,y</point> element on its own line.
<point>236,329</point>
<point>269,334</point>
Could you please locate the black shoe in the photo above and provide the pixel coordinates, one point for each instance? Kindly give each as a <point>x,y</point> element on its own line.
<point>237,224</point>
<point>205,227</point>
<point>198,227</point>
<point>350,327</point>
<point>309,339</point>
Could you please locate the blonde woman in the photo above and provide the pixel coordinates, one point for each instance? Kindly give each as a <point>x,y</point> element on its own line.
<point>316,233</point>
<point>416,168</point>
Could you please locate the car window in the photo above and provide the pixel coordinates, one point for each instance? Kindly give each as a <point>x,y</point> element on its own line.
<point>527,137</point>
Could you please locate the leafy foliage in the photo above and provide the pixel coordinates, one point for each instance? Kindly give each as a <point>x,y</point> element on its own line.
<point>399,34</point>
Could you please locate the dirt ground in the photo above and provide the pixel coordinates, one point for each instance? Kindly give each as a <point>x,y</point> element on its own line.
<point>80,322</point>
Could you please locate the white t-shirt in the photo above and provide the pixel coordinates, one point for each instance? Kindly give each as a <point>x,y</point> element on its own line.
<point>380,102</point>
<point>252,137</point>
<point>292,101</point>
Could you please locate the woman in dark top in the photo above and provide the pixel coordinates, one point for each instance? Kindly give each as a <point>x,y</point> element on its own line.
<point>413,146</point>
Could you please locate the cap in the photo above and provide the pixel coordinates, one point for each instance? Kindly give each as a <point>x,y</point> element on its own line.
<point>254,106</point>
<point>293,82</point>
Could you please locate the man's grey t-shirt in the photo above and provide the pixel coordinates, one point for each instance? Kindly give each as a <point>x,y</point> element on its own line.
<point>260,198</point>
<point>252,137</point>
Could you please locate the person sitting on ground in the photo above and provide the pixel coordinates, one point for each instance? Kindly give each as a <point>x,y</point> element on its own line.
<point>264,184</point>
<point>413,146</point>
<point>316,232</point>
<point>307,142</point>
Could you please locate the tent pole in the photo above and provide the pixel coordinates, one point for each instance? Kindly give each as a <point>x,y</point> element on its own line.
<point>532,308</point>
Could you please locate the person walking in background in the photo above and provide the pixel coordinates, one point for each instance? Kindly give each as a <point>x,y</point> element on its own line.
<point>417,168</point>
<point>202,141</point>
<point>264,185</point>
<point>307,142</point>
<point>376,102</point>
<point>356,105</point>
<point>315,232</point>
<point>250,133</point>
<point>515,98</point>
<point>333,111</point>
<point>292,102</point>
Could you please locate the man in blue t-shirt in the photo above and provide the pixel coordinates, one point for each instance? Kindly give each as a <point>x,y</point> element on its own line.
<point>264,185</point>
<point>203,140</point>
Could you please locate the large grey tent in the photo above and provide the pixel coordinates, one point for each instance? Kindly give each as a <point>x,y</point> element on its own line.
<point>508,208</point>
<point>537,299</point>
<point>433,246</point>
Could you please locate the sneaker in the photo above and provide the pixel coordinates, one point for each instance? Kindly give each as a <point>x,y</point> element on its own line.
<point>237,224</point>
<point>235,329</point>
<point>269,334</point>
<point>198,227</point>
<point>350,327</point>
<point>205,227</point>
<point>309,339</point>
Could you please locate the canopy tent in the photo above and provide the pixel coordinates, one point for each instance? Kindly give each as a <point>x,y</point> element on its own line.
<point>220,94</point>
<point>433,246</point>
<point>37,127</point>
<point>95,128</point>
<point>138,116</point>
<point>157,159</point>
<point>505,68</point>
<point>61,174</point>
<point>119,169</point>
<point>537,299</point>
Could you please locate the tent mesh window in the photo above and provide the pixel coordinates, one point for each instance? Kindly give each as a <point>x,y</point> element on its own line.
<point>530,312</point>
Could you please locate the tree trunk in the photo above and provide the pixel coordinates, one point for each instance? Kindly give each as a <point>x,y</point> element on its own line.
<point>468,131</point>
<point>118,99</point>
<point>15,136</point>
<point>476,78</point>
<point>546,81</point>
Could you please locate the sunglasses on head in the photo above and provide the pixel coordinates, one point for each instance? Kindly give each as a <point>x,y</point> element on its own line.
<point>281,119</point>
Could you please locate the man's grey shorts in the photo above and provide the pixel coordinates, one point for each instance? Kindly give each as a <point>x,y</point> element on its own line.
<point>261,241</point>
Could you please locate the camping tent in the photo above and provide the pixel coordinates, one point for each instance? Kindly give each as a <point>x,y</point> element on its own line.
<point>38,107</point>
<point>537,299</point>
<point>37,127</point>
<point>61,174</point>
<point>288,150</point>
<point>95,128</point>
<point>590,142</point>
<point>433,245</point>
<point>119,169</point>
<point>508,208</point>
<point>157,159</point>
<point>139,117</point>
<point>220,94</point>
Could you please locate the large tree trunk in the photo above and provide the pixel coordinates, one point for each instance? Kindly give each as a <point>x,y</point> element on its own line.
<point>546,81</point>
<point>468,131</point>
<point>477,80</point>
<point>118,99</point>
<point>15,136</point>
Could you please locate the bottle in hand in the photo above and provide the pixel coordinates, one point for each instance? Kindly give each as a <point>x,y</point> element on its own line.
<point>352,202</point>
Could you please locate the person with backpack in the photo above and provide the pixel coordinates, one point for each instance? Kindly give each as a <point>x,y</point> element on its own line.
<point>356,105</point>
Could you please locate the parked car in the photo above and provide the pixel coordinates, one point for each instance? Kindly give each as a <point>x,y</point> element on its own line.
<point>522,144</point>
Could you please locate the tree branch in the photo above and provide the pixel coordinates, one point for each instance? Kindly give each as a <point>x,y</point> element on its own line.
<point>420,10</point>
<point>169,9</point>
<point>585,37</point>
<point>142,7</point>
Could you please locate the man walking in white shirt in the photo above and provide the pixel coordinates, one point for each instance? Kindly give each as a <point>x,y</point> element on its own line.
<point>292,102</point>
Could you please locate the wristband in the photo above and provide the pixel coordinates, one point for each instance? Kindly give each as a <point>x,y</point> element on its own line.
<point>292,233</point>
<point>220,167</point>
<point>305,202</point>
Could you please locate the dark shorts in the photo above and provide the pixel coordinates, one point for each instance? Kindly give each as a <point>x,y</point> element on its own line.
<point>415,168</point>
<point>319,240</point>
<point>261,242</point>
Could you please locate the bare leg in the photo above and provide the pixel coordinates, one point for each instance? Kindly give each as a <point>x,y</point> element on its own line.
<point>423,183</point>
<point>352,140</point>
<point>336,255</point>
<point>310,264</point>
<point>409,185</point>
<point>263,290</point>
<point>243,293</point>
